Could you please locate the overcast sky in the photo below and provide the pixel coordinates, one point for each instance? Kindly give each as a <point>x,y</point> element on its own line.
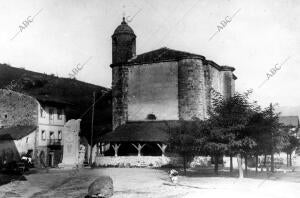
<point>64,33</point>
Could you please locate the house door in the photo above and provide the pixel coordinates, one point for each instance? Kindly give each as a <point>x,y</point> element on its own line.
<point>51,159</point>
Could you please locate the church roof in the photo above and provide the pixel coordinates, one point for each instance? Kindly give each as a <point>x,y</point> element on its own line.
<point>165,54</point>
<point>162,54</point>
<point>143,131</point>
<point>124,28</point>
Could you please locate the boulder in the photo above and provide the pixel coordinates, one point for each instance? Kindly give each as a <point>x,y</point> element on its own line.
<point>101,187</point>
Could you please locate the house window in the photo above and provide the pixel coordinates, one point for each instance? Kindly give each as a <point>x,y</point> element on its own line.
<point>59,134</point>
<point>51,114</point>
<point>5,116</point>
<point>51,135</point>
<point>42,112</point>
<point>27,140</point>
<point>59,114</point>
<point>43,135</point>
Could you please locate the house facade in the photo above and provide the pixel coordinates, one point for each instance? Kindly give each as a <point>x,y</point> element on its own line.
<point>31,126</point>
<point>51,121</point>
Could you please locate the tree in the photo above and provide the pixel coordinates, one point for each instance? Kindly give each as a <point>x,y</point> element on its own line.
<point>291,144</point>
<point>228,119</point>
<point>183,139</point>
<point>275,137</point>
<point>256,129</point>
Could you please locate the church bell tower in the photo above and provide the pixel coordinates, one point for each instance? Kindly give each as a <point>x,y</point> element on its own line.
<point>123,43</point>
<point>123,49</point>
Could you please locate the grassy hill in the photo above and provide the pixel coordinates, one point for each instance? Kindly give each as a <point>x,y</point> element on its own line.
<point>79,94</point>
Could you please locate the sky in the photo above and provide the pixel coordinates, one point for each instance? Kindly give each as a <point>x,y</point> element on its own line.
<point>259,36</point>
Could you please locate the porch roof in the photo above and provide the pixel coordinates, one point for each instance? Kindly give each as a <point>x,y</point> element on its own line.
<point>16,132</point>
<point>143,131</point>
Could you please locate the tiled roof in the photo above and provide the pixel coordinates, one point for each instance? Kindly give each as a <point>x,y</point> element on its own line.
<point>289,120</point>
<point>123,28</point>
<point>162,54</point>
<point>146,131</point>
<point>51,99</point>
<point>165,54</point>
<point>15,132</point>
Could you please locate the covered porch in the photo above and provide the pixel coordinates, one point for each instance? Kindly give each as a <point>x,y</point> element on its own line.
<point>137,144</point>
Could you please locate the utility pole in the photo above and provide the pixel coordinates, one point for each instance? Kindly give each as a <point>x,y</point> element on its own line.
<point>92,129</point>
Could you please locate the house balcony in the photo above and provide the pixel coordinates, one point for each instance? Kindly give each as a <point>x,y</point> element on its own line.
<point>54,142</point>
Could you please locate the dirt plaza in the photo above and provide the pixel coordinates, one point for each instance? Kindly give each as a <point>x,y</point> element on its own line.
<point>144,182</point>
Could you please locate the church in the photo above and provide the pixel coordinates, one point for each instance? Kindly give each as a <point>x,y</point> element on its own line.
<point>151,92</point>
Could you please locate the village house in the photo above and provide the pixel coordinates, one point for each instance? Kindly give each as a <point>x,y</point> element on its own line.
<point>31,126</point>
<point>151,92</point>
<point>291,123</point>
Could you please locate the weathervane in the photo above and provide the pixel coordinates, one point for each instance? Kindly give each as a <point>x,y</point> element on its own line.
<point>128,19</point>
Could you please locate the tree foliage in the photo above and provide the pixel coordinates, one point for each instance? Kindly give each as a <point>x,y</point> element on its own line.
<point>235,126</point>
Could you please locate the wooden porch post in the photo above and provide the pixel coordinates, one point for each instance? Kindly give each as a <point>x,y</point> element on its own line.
<point>162,148</point>
<point>139,148</point>
<point>116,148</point>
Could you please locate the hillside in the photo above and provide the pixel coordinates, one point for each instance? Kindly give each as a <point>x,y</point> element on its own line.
<point>79,94</point>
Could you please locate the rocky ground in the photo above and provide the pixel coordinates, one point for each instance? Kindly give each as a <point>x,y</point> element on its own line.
<point>143,182</point>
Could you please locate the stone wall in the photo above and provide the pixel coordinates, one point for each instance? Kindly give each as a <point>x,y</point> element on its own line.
<point>137,161</point>
<point>119,95</point>
<point>201,161</point>
<point>17,109</point>
<point>150,161</point>
<point>191,89</point>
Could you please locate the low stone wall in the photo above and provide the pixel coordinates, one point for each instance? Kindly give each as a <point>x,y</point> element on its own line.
<point>137,161</point>
<point>201,161</point>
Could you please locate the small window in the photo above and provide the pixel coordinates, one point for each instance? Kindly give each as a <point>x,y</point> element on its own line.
<point>51,114</point>
<point>27,140</point>
<point>42,112</point>
<point>43,135</point>
<point>51,135</point>
<point>59,134</point>
<point>59,114</point>
<point>5,116</point>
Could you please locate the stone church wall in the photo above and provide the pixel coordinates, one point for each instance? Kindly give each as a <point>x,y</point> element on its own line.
<point>153,89</point>
<point>227,83</point>
<point>191,87</point>
<point>169,90</point>
<point>119,94</point>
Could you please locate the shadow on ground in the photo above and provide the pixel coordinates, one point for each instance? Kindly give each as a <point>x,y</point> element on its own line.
<point>252,174</point>
<point>6,178</point>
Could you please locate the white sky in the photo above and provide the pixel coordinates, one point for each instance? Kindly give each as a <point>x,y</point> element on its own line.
<point>68,32</point>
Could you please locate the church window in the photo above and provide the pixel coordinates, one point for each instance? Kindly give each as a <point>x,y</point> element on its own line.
<point>151,117</point>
